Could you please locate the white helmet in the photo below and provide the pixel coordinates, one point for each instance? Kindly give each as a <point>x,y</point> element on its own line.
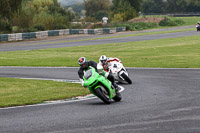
<point>103,59</point>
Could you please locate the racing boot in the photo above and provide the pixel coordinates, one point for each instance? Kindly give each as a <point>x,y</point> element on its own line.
<point>116,87</point>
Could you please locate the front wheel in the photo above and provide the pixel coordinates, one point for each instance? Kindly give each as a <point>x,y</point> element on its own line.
<point>103,94</point>
<point>125,77</point>
<point>118,97</point>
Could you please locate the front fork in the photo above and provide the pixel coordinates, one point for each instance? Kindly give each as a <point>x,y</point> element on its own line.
<point>120,73</point>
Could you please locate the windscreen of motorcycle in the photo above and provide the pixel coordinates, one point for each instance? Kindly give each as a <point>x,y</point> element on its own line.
<point>88,74</point>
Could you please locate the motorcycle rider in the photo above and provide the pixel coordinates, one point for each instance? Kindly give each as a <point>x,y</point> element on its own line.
<point>85,65</point>
<point>198,26</point>
<point>105,62</point>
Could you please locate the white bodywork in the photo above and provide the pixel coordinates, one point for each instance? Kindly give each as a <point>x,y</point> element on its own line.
<point>116,69</point>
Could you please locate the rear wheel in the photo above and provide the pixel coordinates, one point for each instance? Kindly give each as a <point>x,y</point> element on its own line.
<point>103,94</point>
<point>126,78</point>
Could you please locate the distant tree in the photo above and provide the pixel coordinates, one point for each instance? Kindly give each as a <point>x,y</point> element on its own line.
<point>122,10</point>
<point>176,6</point>
<point>42,13</point>
<point>192,5</point>
<point>78,7</point>
<point>136,4</point>
<point>154,6</point>
<point>7,9</point>
<point>97,8</point>
<point>170,6</point>
<point>75,10</point>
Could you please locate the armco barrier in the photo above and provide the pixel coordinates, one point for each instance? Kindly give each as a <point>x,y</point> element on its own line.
<point>42,34</point>
<point>11,37</point>
<point>106,30</point>
<point>3,37</point>
<point>45,34</point>
<point>119,29</point>
<point>83,31</point>
<point>63,32</point>
<point>98,31</point>
<point>74,31</point>
<point>53,33</point>
<point>28,35</point>
<point>113,30</point>
<point>90,31</point>
<point>18,37</point>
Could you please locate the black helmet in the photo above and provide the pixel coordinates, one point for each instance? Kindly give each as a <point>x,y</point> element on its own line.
<point>82,61</point>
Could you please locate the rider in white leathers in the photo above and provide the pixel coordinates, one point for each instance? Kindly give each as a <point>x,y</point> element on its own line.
<point>115,67</point>
<point>105,62</point>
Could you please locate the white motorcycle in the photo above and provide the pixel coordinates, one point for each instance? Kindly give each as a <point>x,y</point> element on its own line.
<point>119,72</point>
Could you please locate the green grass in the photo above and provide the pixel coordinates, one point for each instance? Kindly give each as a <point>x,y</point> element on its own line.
<point>119,36</point>
<point>151,33</point>
<point>182,52</point>
<point>187,20</point>
<point>14,92</point>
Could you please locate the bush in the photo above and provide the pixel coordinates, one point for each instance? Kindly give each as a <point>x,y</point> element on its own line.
<point>39,27</point>
<point>97,25</point>
<point>169,22</point>
<point>179,21</point>
<point>5,26</point>
<point>29,30</point>
<point>76,26</point>
<point>58,26</point>
<point>15,29</point>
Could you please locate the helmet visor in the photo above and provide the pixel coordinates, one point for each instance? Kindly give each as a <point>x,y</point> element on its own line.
<point>103,62</point>
<point>83,65</point>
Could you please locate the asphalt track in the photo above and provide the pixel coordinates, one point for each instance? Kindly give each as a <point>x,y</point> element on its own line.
<point>158,101</point>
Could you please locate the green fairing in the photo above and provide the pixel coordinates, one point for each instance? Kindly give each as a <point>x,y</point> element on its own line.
<point>93,80</point>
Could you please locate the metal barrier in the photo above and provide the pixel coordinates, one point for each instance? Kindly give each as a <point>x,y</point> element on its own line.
<point>45,34</point>
<point>106,30</point>
<point>53,33</point>
<point>3,37</point>
<point>74,31</point>
<point>28,35</point>
<point>90,31</point>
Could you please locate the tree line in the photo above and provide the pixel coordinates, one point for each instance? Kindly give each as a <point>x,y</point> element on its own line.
<point>171,6</point>
<point>34,15</point>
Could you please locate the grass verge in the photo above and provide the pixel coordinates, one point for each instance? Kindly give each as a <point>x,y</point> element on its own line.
<point>187,20</point>
<point>119,36</point>
<point>182,52</point>
<point>14,92</point>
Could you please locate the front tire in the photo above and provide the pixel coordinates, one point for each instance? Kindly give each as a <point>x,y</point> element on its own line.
<point>103,95</point>
<point>125,77</point>
<point>118,97</point>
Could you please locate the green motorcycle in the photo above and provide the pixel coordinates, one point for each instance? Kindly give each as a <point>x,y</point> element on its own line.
<point>100,86</point>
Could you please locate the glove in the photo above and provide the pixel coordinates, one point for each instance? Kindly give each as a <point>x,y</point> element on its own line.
<point>101,72</point>
<point>82,82</point>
